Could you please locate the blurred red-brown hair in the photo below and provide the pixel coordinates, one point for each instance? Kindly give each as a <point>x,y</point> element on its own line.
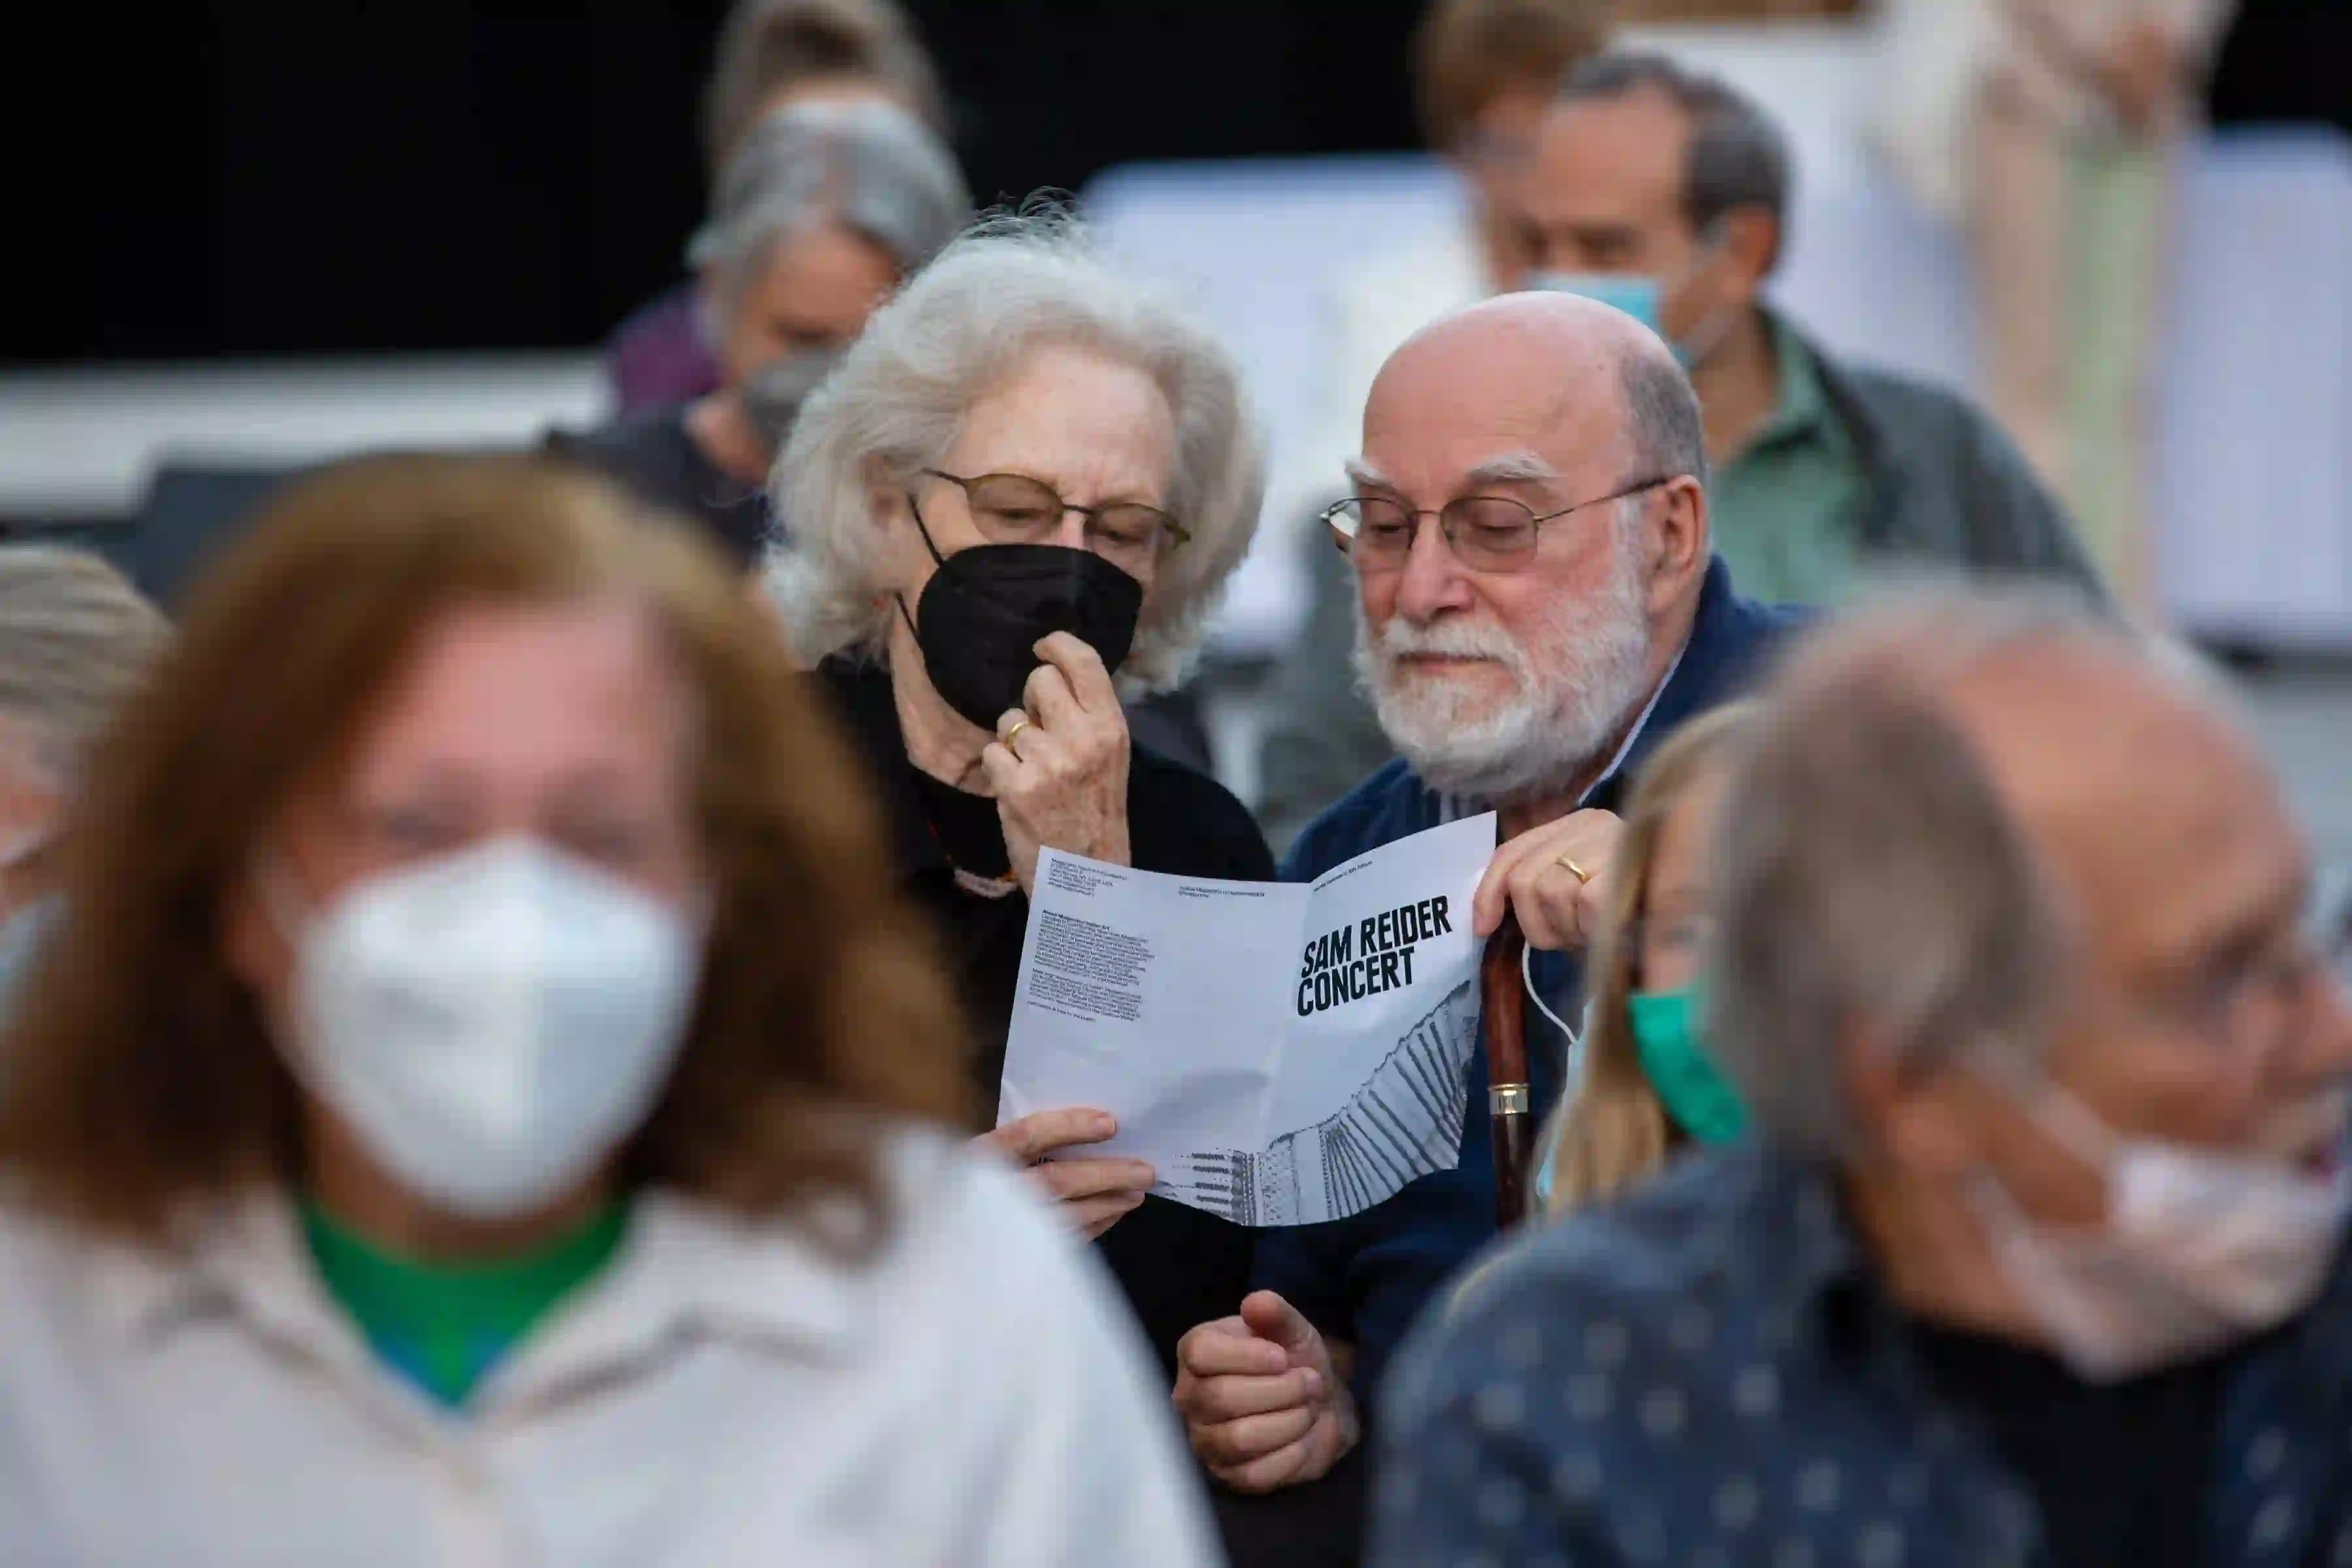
<point>1467,53</point>
<point>140,1072</point>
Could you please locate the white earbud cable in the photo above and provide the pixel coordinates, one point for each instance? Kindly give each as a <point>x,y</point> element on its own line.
<point>1528,978</point>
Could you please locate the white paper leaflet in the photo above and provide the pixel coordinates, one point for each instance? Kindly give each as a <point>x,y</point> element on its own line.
<point>1281,1054</point>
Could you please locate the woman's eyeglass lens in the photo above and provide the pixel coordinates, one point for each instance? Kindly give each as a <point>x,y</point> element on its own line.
<point>1013,508</point>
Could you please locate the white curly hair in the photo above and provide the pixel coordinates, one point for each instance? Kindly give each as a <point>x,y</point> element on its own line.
<point>1004,288</point>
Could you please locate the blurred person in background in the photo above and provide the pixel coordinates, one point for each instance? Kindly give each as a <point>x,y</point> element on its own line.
<point>1643,13</point>
<point>1540,611</point>
<point>2037,1253</point>
<point>2053,129</point>
<point>1014,505</point>
<point>770,54</point>
<point>76,640</point>
<point>1646,1086</point>
<point>1482,73</point>
<point>824,208</point>
<point>482,1102</point>
<point>1665,193</point>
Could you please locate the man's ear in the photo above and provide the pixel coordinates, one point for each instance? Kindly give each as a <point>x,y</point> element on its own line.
<point>1921,1123</point>
<point>1750,245</point>
<point>1681,541</point>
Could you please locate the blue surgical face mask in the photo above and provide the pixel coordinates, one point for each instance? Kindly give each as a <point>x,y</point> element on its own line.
<point>1635,293</point>
<point>1695,1095</point>
<point>1641,295</point>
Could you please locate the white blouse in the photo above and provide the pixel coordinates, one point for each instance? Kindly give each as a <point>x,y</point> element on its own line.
<point>723,1393</point>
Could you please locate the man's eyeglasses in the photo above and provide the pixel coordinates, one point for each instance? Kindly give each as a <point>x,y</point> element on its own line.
<point>2262,995</point>
<point>1013,508</point>
<point>1488,533</point>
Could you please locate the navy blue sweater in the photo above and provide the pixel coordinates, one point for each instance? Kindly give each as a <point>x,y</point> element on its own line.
<point>1365,1279</point>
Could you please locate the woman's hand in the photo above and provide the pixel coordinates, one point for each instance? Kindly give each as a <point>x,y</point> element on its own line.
<point>1092,1196</point>
<point>1061,781</point>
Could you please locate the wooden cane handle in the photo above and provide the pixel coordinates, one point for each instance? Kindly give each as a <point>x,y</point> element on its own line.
<point>1503,1009</point>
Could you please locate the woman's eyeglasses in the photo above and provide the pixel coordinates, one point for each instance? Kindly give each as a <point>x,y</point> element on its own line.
<point>1013,508</point>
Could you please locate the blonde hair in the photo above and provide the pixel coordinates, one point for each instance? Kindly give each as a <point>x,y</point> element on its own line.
<point>76,639</point>
<point>1609,1131</point>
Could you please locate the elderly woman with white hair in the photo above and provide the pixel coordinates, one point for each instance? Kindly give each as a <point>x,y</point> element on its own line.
<point>820,213</point>
<point>1012,507</point>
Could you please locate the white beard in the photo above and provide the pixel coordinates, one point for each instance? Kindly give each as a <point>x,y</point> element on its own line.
<point>1572,693</point>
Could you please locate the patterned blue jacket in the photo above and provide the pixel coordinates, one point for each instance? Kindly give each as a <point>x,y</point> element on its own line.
<point>1664,1380</point>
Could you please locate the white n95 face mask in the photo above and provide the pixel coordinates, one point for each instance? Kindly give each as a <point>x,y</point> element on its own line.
<point>2202,1248</point>
<point>492,1023</point>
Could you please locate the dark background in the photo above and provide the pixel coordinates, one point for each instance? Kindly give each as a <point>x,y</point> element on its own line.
<point>265,179</point>
<point>443,175</point>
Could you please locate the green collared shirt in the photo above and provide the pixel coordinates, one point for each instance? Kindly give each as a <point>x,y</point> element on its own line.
<point>1785,505</point>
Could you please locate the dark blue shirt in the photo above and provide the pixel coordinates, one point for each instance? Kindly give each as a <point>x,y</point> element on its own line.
<point>1707,1372</point>
<point>1363,1278</point>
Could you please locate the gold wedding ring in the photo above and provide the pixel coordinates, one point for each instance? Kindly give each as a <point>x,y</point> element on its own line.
<point>1013,733</point>
<point>1578,872</point>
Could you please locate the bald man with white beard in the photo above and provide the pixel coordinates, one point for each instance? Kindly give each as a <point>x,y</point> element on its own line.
<point>1539,606</point>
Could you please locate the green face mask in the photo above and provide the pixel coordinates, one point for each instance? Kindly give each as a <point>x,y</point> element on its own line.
<point>1697,1097</point>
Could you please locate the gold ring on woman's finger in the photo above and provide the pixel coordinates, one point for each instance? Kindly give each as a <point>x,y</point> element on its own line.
<point>1573,869</point>
<point>1013,733</point>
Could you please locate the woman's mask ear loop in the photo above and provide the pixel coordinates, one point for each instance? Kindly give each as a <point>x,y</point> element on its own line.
<point>1575,1054</point>
<point>1573,1071</point>
<point>937,560</point>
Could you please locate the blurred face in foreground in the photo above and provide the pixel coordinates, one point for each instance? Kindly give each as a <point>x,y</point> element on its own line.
<point>2198,1015</point>
<point>559,727</point>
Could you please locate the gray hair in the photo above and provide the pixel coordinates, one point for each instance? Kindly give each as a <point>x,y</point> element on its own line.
<point>1737,157</point>
<point>867,166</point>
<point>1662,417</point>
<point>1010,286</point>
<point>76,639</point>
<point>767,46</point>
<point>1868,874</point>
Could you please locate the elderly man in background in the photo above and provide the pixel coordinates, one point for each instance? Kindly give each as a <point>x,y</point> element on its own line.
<point>1540,606</point>
<point>76,640</point>
<point>2038,1257</point>
<point>823,210</point>
<point>1665,193</point>
<point>770,54</point>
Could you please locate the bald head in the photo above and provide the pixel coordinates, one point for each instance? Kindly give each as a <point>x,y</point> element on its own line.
<point>2088,734</point>
<point>2100,756</point>
<point>1510,672</point>
<point>1978,823</point>
<point>1541,365</point>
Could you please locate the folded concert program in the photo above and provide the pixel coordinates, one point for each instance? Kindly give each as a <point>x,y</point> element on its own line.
<point>1280,1053</point>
